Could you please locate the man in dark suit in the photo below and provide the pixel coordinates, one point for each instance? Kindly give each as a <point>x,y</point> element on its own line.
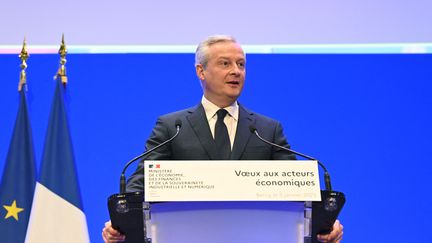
<point>218,128</point>
<point>196,142</point>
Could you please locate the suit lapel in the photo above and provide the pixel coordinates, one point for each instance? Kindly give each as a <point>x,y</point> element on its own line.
<point>243,133</point>
<point>199,124</point>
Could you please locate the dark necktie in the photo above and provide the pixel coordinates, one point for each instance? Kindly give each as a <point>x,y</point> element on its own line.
<point>221,136</point>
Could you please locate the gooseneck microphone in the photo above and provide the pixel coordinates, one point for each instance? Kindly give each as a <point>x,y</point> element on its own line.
<point>327,181</point>
<point>178,124</point>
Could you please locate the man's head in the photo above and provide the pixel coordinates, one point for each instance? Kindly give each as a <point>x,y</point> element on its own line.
<point>220,65</point>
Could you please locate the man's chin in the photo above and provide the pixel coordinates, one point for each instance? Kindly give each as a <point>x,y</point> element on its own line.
<point>233,97</point>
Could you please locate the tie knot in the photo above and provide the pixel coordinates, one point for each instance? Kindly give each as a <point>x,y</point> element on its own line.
<point>221,113</point>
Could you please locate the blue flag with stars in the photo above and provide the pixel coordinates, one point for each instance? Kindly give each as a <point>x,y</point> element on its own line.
<point>18,179</point>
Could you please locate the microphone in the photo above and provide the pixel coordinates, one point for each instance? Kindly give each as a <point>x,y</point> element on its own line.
<point>324,213</point>
<point>328,186</point>
<point>178,124</point>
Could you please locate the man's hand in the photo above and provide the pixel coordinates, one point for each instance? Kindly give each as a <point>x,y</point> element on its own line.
<point>335,236</point>
<point>110,235</point>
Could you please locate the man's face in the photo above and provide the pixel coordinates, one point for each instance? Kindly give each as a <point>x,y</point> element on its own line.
<point>223,77</point>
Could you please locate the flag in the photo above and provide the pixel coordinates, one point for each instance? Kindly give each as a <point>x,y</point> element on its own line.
<point>18,180</point>
<point>57,214</point>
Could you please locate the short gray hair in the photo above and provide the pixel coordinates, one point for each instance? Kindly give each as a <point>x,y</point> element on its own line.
<point>201,53</point>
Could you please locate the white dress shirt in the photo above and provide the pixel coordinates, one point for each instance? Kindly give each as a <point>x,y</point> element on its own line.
<point>230,120</point>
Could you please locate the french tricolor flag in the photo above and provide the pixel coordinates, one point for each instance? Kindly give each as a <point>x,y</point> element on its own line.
<point>57,214</point>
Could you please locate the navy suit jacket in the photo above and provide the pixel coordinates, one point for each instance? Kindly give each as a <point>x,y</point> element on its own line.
<point>195,141</point>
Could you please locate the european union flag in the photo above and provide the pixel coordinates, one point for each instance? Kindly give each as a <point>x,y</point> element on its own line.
<point>57,213</point>
<point>18,180</point>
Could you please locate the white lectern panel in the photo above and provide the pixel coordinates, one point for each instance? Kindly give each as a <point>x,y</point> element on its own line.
<point>228,222</point>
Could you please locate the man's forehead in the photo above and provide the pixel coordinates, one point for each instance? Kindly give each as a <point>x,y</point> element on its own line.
<point>236,57</point>
<point>226,50</point>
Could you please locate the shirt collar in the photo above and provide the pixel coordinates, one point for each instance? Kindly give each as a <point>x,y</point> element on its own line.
<point>211,109</point>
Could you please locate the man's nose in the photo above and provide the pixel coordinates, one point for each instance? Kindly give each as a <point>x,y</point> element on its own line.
<point>235,70</point>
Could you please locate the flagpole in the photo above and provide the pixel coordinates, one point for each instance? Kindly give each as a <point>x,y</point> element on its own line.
<point>61,73</point>
<point>57,214</point>
<point>17,182</point>
<point>23,56</point>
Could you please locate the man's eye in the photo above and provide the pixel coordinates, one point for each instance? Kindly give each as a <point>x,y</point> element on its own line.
<point>241,64</point>
<point>225,63</point>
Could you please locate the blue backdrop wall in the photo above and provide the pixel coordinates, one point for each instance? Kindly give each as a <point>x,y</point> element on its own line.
<point>367,117</point>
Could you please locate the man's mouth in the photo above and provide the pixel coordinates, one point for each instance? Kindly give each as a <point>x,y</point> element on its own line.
<point>233,82</point>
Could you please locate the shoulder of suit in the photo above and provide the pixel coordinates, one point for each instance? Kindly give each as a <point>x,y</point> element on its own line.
<point>258,116</point>
<point>182,113</point>
<point>179,113</point>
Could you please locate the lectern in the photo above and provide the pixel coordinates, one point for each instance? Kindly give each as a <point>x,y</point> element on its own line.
<point>220,201</point>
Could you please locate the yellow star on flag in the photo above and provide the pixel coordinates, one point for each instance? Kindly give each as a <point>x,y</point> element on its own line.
<point>13,210</point>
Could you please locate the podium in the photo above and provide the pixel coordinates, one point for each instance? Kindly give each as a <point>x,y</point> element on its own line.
<point>210,222</point>
<point>228,222</point>
<point>215,201</point>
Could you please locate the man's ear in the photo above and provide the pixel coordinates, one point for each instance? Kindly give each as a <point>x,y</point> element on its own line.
<point>200,71</point>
